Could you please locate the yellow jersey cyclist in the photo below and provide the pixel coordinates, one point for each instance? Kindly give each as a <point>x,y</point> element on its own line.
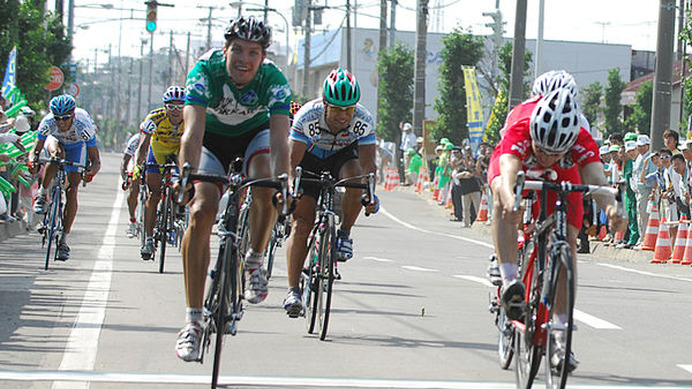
<point>161,131</point>
<point>66,132</point>
<point>237,106</point>
<point>337,134</point>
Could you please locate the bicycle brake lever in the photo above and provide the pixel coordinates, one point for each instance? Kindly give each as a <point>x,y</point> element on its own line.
<point>518,189</point>
<point>184,177</point>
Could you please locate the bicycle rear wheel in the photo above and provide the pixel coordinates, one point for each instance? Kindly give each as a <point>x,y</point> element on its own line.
<point>505,338</point>
<point>164,227</point>
<point>327,257</point>
<point>557,366</point>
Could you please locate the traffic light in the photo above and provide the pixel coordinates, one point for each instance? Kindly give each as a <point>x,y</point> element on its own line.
<point>152,6</point>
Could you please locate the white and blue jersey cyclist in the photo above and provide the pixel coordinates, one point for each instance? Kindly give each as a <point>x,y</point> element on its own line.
<point>336,134</point>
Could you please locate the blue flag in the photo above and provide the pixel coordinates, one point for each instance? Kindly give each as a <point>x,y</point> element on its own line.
<point>9,82</point>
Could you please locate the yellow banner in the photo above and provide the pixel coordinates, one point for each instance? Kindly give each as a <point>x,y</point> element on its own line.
<point>474,112</point>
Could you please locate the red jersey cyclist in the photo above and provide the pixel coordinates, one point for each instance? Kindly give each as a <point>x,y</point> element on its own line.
<point>539,134</point>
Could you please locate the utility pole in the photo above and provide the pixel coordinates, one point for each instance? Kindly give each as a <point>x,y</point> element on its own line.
<point>681,25</point>
<point>383,25</point>
<point>516,82</point>
<point>141,78</point>
<point>128,112</point>
<point>187,56</point>
<point>538,67</point>
<point>419,67</point>
<point>663,75</point>
<point>151,70</point>
<point>392,23</point>
<point>348,36</point>
<point>498,29</point>
<point>208,20</point>
<point>170,59</point>
<point>306,52</point>
<point>266,12</point>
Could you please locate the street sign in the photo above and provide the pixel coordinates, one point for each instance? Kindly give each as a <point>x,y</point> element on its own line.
<point>73,89</point>
<point>56,78</point>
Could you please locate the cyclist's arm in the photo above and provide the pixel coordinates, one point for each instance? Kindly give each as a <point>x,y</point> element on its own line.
<point>296,153</point>
<point>143,148</point>
<point>278,145</point>
<point>366,158</point>
<point>510,165</point>
<point>194,117</point>
<point>95,159</point>
<point>123,165</point>
<point>593,174</point>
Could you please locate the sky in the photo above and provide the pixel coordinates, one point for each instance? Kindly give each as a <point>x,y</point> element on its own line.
<point>631,22</point>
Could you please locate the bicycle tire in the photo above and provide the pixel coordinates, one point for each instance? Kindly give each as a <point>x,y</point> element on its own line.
<point>327,258</point>
<point>53,228</point>
<point>271,251</point>
<point>505,339</point>
<point>561,265</point>
<point>313,285</point>
<point>527,353</point>
<point>164,227</point>
<point>141,214</point>
<point>244,230</point>
<point>219,311</point>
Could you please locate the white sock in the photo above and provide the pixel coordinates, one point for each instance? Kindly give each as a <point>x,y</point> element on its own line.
<point>509,272</point>
<point>64,237</point>
<point>193,315</point>
<point>253,260</point>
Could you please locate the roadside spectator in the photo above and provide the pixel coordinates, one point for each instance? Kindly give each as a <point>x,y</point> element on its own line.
<point>642,167</point>
<point>408,140</point>
<point>456,163</point>
<point>631,152</point>
<point>670,140</point>
<point>385,151</point>
<point>668,195</point>
<point>469,179</point>
<point>414,165</point>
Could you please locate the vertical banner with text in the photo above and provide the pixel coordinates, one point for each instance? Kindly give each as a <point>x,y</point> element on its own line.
<point>474,112</point>
<point>9,82</point>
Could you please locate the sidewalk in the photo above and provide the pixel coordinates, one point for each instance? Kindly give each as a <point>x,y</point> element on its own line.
<point>483,230</point>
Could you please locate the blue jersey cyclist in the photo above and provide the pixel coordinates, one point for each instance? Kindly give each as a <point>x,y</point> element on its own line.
<point>336,134</point>
<point>67,132</point>
<point>237,106</point>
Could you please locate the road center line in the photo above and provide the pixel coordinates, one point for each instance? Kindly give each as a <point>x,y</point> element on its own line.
<point>417,268</point>
<point>82,344</point>
<point>376,259</point>
<point>411,226</point>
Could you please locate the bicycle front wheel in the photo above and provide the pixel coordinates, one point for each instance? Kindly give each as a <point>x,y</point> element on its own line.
<point>527,350</point>
<point>165,226</point>
<point>559,335</point>
<point>217,306</point>
<point>327,252</point>
<point>53,227</point>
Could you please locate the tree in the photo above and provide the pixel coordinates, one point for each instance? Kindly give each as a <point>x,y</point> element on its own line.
<point>395,67</point>
<point>686,36</point>
<point>499,112</point>
<point>40,40</point>
<point>591,102</point>
<point>459,48</point>
<point>640,119</point>
<point>613,109</point>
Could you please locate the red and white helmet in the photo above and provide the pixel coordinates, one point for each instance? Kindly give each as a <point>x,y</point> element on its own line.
<point>554,125</point>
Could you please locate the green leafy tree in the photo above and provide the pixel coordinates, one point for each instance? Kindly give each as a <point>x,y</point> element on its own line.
<point>395,89</point>
<point>40,40</point>
<point>591,102</point>
<point>613,109</point>
<point>686,35</point>
<point>499,112</point>
<point>640,119</point>
<point>459,48</point>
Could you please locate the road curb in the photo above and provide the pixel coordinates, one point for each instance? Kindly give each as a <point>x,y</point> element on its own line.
<point>11,229</point>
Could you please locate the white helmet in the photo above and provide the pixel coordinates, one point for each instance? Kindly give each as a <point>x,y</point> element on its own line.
<point>552,80</point>
<point>21,124</point>
<point>554,123</point>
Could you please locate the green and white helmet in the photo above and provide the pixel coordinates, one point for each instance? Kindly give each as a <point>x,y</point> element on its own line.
<point>341,88</point>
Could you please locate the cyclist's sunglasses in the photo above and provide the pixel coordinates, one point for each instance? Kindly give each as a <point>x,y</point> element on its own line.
<point>548,153</point>
<point>173,107</point>
<point>63,117</point>
<point>350,109</point>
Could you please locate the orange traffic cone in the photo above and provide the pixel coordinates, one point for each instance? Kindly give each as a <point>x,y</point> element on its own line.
<point>649,242</point>
<point>663,250</point>
<point>680,241</point>
<point>395,178</point>
<point>603,233</point>
<point>687,256</point>
<point>483,211</point>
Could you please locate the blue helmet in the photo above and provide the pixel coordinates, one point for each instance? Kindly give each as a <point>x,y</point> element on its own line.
<point>174,93</point>
<point>62,105</point>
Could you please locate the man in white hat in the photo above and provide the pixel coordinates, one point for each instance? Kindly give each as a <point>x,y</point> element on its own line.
<point>643,189</point>
<point>408,141</point>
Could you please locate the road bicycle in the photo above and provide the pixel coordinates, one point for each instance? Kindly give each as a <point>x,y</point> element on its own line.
<point>52,227</point>
<point>317,279</point>
<point>547,271</point>
<point>223,301</point>
<point>167,227</point>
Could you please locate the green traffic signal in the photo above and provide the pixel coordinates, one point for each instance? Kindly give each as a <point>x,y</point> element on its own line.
<point>151,26</point>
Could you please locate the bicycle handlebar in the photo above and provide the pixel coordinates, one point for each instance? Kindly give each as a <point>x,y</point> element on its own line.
<point>61,162</point>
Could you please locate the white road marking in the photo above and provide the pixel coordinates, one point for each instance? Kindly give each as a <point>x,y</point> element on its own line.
<point>226,380</point>
<point>82,345</point>
<point>645,273</point>
<point>417,268</point>
<point>686,367</point>
<point>594,322</point>
<point>380,259</point>
<point>479,280</point>
<point>411,226</point>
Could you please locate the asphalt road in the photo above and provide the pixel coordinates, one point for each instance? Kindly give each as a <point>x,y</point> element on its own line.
<point>410,312</point>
